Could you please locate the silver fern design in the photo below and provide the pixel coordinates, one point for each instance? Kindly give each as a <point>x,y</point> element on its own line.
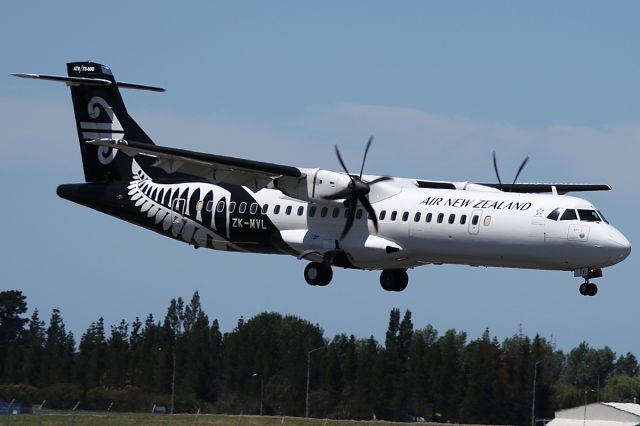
<point>170,207</point>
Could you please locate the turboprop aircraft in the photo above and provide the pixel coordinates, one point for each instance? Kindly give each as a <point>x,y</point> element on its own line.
<point>341,219</point>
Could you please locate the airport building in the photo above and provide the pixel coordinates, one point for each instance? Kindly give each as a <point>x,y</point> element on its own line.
<point>599,414</point>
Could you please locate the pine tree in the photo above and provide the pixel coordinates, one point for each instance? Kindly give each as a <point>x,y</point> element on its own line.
<point>12,305</point>
<point>34,341</point>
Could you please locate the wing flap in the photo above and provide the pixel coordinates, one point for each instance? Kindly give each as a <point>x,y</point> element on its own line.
<point>215,168</point>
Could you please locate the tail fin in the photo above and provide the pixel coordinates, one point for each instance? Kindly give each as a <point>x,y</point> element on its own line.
<point>100,113</point>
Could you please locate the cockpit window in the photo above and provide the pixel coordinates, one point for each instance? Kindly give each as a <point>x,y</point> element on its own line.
<point>589,215</point>
<point>569,214</point>
<point>554,214</point>
<point>602,216</point>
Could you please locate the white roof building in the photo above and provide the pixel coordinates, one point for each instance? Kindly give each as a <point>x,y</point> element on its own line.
<point>599,414</point>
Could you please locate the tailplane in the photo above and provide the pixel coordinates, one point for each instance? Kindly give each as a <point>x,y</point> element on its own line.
<point>100,114</point>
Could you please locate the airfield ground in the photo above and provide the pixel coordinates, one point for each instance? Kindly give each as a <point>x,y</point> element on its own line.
<point>125,419</point>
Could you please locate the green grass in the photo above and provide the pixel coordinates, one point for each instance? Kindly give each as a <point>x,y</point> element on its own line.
<point>124,419</point>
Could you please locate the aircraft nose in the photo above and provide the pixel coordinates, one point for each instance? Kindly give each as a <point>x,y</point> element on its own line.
<point>619,245</point>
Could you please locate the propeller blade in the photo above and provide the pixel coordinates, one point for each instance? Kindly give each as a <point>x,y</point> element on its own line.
<point>351,215</point>
<point>495,167</point>
<point>372,213</point>
<point>344,193</point>
<point>342,162</point>
<point>524,162</point>
<point>364,158</point>
<point>380,179</point>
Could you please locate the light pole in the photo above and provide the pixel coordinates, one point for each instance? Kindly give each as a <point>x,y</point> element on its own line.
<point>306,410</point>
<point>261,388</point>
<point>584,420</point>
<point>533,401</point>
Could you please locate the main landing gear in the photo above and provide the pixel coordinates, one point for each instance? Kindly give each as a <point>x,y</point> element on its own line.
<point>588,288</point>
<point>318,273</point>
<point>394,279</point>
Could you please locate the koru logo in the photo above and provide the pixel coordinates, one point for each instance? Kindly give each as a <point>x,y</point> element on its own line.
<point>110,129</point>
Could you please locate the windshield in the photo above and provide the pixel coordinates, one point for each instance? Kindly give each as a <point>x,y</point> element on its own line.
<point>589,216</point>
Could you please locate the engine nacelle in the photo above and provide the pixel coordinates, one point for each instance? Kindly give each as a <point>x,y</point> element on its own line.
<point>316,185</point>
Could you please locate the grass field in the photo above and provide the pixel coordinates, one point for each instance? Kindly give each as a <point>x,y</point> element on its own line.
<point>117,419</point>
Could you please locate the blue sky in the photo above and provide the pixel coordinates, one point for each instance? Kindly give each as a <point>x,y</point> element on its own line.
<point>440,85</point>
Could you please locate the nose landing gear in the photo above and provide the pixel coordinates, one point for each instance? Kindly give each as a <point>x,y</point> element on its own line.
<point>587,288</point>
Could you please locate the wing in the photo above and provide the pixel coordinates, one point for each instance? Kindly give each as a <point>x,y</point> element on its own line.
<point>561,188</point>
<point>529,188</point>
<point>215,168</point>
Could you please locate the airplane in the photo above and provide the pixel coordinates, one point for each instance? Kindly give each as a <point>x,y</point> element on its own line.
<point>328,218</point>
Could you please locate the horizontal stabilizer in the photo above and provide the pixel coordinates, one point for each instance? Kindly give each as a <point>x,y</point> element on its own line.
<point>87,81</point>
<point>71,81</point>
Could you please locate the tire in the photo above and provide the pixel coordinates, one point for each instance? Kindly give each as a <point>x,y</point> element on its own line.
<point>316,273</point>
<point>593,289</point>
<point>584,289</point>
<point>313,273</point>
<point>386,280</point>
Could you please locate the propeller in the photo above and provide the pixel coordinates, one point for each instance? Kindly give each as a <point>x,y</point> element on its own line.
<point>356,191</point>
<point>495,167</point>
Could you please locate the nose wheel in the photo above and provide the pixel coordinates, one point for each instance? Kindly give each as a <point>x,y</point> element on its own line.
<point>588,289</point>
<point>317,273</point>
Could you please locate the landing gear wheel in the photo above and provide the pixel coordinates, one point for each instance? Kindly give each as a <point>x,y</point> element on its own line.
<point>584,289</point>
<point>317,273</point>
<point>588,289</point>
<point>394,279</point>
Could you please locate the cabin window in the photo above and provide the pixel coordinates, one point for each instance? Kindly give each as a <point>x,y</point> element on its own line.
<point>394,214</point>
<point>428,217</point>
<point>405,216</point>
<point>220,206</point>
<point>463,219</point>
<point>265,208</point>
<point>312,211</point>
<point>475,219</point>
<point>242,207</point>
<point>300,210</point>
<point>554,214</point>
<point>232,206</point>
<point>253,209</point>
<point>324,211</point>
<point>209,206</point>
<point>440,217</point>
<point>452,219</point>
<point>487,220</point>
<point>359,214</point>
<point>336,212</point>
<point>383,213</point>
<point>588,215</point>
<point>199,205</point>
<point>416,217</point>
<point>287,211</point>
<point>276,209</point>
<point>569,214</point>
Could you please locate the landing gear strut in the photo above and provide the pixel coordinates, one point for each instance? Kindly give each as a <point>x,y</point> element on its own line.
<point>588,288</point>
<point>394,279</point>
<point>317,273</point>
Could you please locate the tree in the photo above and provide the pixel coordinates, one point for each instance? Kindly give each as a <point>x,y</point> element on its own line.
<point>622,388</point>
<point>12,305</point>
<point>34,342</point>
<point>57,358</point>
<point>626,365</point>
